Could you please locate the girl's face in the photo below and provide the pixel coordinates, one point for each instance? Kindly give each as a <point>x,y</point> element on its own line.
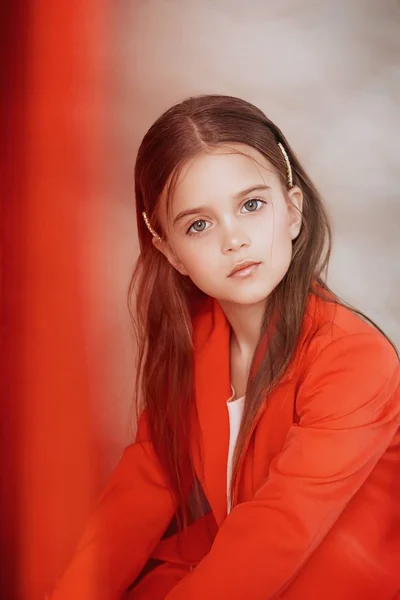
<point>229,207</point>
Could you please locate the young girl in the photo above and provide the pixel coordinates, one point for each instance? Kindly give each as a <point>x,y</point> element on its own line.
<point>267,459</point>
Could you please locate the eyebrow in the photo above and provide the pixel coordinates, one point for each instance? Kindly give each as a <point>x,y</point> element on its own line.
<point>238,196</point>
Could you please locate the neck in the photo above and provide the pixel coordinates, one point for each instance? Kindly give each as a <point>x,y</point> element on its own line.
<point>245,322</point>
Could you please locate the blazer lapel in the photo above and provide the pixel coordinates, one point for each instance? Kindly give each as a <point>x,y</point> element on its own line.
<point>212,388</point>
<point>211,334</point>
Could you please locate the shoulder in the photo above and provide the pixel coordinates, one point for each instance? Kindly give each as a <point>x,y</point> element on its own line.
<point>335,330</point>
<point>345,364</point>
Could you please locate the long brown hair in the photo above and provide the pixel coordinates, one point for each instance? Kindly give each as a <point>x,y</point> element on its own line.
<point>165,302</point>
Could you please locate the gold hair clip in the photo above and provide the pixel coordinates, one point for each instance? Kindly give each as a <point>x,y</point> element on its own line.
<point>288,166</point>
<point>149,227</point>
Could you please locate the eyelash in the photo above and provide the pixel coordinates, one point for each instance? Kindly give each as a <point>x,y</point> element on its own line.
<point>188,232</point>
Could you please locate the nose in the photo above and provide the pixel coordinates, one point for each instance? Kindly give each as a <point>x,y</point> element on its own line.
<point>234,239</point>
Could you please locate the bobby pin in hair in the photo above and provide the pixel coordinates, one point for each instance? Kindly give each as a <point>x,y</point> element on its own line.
<point>149,227</point>
<point>288,166</point>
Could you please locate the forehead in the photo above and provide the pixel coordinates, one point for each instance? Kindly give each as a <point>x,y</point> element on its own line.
<point>223,171</point>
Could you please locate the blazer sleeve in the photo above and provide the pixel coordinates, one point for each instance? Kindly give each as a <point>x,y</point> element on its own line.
<point>348,407</point>
<point>129,518</point>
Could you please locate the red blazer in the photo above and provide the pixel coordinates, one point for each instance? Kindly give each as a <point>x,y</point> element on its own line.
<point>317,510</point>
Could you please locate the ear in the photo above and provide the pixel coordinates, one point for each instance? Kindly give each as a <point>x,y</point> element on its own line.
<point>170,255</point>
<point>295,209</point>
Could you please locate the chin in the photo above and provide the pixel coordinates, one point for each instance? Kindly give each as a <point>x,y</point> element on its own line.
<point>248,298</point>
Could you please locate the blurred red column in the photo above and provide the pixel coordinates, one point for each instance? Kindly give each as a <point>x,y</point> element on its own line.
<point>13,25</point>
<point>52,134</point>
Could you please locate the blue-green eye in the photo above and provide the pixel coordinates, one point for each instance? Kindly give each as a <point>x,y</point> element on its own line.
<point>197,226</point>
<point>253,204</point>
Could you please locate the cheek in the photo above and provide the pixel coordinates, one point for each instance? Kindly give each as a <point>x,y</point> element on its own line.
<point>197,258</point>
<point>202,266</point>
<point>203,272</point>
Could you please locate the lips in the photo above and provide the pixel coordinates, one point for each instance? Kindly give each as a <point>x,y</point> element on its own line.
<point>242,265</point>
